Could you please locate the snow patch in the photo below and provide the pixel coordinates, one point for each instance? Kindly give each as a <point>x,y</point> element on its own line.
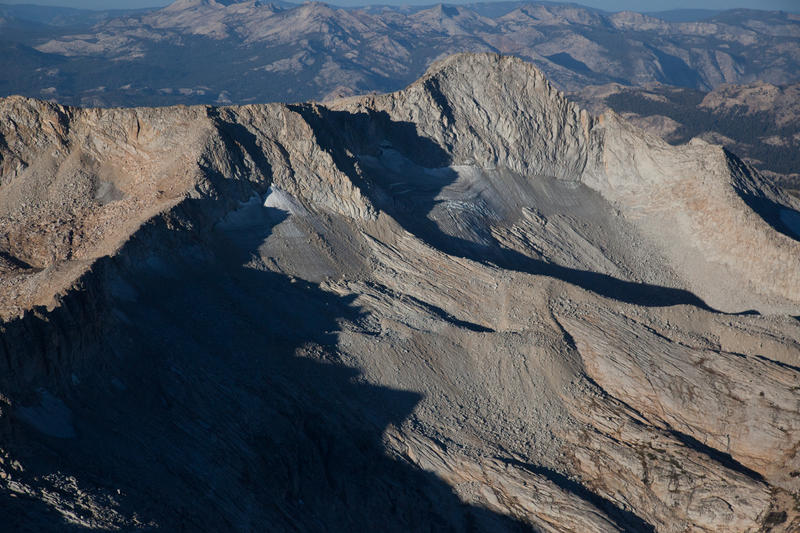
<point>245,215</point>
<point>280,199</point>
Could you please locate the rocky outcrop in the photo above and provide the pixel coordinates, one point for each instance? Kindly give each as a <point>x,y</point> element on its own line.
<point>694,191</point>
<point>468,305</point>
<point>755,121</point>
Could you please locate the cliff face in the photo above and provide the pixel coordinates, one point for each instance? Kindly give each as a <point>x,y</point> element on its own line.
<point>468,304</point>
<point>757,121</point>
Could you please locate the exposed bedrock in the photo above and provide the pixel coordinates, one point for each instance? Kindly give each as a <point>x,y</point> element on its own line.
<point>468,305</point>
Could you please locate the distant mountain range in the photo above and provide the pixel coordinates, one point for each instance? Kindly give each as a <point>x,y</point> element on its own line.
<point>207,51</point>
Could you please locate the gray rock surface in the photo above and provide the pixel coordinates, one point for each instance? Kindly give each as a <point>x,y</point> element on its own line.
<point>758,121</point>
<point>468,305</point>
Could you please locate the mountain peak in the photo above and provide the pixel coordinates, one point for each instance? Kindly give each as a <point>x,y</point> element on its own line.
<point>475,245</point>
<point>482,60</point>
<point>468,73</point>
<point>180,5</point>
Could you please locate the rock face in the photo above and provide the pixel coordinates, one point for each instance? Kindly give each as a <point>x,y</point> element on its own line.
<point>757,121</point>
<point>467,305</point>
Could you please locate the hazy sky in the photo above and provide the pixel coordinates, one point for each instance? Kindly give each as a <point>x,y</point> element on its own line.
<point>610,5</point>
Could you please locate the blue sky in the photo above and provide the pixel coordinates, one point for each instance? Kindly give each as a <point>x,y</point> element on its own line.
<point>609,5</point>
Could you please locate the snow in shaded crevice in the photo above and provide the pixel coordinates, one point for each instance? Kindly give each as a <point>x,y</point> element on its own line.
<point>245,215</point>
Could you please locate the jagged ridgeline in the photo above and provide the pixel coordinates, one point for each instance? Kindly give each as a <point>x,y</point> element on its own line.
<point>465,306</point>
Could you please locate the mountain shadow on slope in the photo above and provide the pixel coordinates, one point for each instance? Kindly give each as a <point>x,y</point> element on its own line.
<point>782,218</point>
<point>343,133</point>
<point>218,402</point>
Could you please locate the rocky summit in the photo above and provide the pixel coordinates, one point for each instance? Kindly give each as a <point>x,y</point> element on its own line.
<point>466,306</point>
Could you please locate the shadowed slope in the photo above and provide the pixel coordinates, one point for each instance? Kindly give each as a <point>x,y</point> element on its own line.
<point>222,404</point>
<point>343,133</point>
<point>431,310</point>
